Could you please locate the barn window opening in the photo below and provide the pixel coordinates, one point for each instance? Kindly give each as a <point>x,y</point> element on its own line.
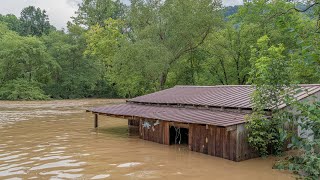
<point>179,135</point>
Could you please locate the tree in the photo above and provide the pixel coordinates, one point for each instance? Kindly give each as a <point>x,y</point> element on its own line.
<point>229,48</point>
<point>93,12</point>
<point>21,89</point>
<point>229,53</point>
<point>34,22</point>
<point>25,66</point>
<point>24,57</point>
<point>137,68</point>
<point>270,76</point>
<point>79,75</point>
<point>12,22</point>
<point>170,24</point>
<point>104,41</point>
<point>4,29</point>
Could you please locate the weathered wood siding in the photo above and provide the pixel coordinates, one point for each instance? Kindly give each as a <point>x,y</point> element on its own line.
<point>157,133</point>
<point>213,140</point>
<point>244,151</point>
<point>225,142</point>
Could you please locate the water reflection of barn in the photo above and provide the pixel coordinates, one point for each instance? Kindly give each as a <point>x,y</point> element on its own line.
<point>209,119</point>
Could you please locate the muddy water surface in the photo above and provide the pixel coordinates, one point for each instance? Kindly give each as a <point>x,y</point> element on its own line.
<point>55,140</point>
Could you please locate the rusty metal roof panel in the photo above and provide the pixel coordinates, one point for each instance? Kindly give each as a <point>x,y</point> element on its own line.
<point>174,114</point>
<point>306,90</point>
<point>234,96</point>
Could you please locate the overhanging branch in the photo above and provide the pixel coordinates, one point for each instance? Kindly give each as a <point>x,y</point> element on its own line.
<point>295,9</point>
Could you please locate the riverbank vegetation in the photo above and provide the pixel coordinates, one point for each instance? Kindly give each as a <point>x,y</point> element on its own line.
<point>111,49</point>
<point>293,128</point>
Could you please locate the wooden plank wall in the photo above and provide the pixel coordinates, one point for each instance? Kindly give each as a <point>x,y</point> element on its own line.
<point>225,142</point>
<point>158,133</point>
<point>244,151</point>
<point>213,140</point>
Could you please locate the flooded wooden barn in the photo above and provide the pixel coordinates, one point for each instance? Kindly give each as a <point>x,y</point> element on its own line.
<point>208,119</point>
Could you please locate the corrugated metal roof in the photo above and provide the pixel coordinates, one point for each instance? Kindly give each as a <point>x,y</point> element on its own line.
<point>184,115</point>
<point>234,96</point>
<point>217,96</point>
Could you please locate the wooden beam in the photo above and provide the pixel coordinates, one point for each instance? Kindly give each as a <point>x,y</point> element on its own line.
<point>180,125</point>
<point>166,133</point>
<point>96,121</point>
<point>190,137</point>
<point>231,128</point>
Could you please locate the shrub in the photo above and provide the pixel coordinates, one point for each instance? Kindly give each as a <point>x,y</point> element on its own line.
<point>20,89</point>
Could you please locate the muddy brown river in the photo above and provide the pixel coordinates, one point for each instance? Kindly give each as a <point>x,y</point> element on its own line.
<point>56,140</point>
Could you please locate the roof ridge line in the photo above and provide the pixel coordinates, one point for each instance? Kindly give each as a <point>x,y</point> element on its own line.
<point>213,86</point>
<point>196,86</point>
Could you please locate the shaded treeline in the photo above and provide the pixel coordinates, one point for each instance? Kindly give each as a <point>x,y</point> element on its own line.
<point>114,50</point>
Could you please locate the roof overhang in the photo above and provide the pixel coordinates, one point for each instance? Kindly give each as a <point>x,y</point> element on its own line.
<point>173,114</point>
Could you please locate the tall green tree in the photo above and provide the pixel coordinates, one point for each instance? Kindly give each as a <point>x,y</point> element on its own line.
<point>93,12</point>
<point>80,75</point>
<point>24,57</point>
<point>34,22</point>
<point>12,22</point>
<point>25,66</point>
<point>104,41</point>
<point>271,78</point>
<point>229,49</point>
<point>229,53</point>
<point>178,26</point>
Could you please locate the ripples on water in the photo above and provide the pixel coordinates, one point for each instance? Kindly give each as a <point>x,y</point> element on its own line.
<point>54,140</point>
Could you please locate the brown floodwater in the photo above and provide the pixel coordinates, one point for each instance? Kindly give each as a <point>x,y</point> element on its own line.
<point>56,140</point>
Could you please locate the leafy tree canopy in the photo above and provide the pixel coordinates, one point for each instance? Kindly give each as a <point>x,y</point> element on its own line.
<point>34,22</point>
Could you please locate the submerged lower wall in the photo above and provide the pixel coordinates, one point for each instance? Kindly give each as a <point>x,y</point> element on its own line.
<point>156,131</point>
<point>225,142</point>
<point>244,151</point>
<point>212,140</point>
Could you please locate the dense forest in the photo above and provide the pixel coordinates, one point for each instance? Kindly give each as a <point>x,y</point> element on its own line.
<point>110,49</point>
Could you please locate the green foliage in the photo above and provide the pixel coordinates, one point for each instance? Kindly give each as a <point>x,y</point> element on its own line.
<point>104,41</point>
<point>266,134</point>
<point>274,70</point>
<point>111,50</point>
<point>137,68</point>
<point>12,22</point>
<point>307,162</point>
<point>95,12</point>
<point>259,137</point>
<point>4,29</point>
<point>78,76</point>
<point>21,89</point>
<point>270,75</point>
<point>24,57</point>
<point>229,53</point>
<point>171,25</point>
<point>34,22</point>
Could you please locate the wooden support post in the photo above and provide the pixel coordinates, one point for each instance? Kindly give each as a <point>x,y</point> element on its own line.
<point>95,120</point>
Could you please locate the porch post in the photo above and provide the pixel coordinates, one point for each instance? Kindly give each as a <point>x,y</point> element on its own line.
<point>95,120</point>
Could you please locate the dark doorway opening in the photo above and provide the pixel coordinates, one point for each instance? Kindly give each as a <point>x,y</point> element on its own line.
<point>179,135</point>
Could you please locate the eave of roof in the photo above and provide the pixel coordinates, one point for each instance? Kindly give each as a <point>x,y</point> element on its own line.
<point>174,114</point>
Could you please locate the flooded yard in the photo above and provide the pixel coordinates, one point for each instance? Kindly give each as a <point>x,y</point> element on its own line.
<point>56,140</point>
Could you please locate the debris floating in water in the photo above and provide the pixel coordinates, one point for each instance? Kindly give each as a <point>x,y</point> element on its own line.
<point>130,164</point>
<point>101,176</point>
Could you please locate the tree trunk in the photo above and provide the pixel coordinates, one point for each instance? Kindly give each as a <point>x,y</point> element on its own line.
<point>163,79</point>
